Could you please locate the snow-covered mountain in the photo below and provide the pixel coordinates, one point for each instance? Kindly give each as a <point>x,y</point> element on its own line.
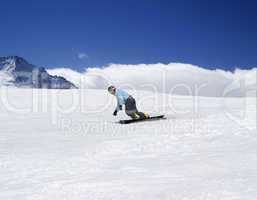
<point>16,71</point>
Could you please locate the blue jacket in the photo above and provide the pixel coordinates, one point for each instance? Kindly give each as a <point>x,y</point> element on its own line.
<point>121,96</point>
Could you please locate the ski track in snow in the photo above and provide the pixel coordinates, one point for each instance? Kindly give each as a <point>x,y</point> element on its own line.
<point>204,153</point>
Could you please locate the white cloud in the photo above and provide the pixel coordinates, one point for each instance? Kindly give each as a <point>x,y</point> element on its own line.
<point>175,78</point>
<point>82,56</point>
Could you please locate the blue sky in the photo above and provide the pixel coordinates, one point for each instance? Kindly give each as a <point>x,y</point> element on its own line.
<point>78,34</point>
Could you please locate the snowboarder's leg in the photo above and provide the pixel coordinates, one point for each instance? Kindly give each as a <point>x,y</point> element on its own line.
<point>131,109</point>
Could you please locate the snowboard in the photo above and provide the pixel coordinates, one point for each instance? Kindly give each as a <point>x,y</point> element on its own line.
<point>128,121</point>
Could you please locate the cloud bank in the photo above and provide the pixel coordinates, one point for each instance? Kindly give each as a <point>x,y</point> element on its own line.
<point>174,78</point>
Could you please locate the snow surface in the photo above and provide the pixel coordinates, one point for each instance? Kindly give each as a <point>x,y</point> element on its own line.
<point>67,145</point>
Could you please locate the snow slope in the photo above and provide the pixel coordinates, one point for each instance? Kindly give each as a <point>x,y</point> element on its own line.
<point>66,145</point>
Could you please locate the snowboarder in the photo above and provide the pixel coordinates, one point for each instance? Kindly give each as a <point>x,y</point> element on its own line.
<point>123,98</point>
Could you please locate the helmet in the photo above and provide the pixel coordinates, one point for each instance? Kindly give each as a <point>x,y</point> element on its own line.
<point>111,89</point>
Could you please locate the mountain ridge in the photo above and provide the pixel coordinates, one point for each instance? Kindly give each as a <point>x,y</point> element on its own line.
<point>16,71</point>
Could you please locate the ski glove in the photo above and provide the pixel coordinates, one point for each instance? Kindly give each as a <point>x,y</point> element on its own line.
<point>120,107</point>
<point>115,112</point>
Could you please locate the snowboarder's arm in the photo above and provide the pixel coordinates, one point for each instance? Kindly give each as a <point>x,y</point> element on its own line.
<point>119,106</point>
<point>119,103</point>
